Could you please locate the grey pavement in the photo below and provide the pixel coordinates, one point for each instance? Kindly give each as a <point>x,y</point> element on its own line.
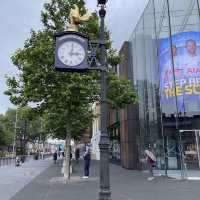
<point>186,174</point>
<point>125,185</point>
<point>13,179</point>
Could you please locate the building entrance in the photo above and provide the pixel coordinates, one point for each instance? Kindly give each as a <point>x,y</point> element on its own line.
<point>190,146</point>
<point>183,155</point>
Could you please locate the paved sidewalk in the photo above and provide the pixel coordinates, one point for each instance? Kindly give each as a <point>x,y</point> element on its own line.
<point>187,174</point>
<point>13,179</point>
<point>126,185</point>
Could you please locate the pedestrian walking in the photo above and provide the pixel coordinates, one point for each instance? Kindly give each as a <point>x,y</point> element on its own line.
<point>55,157</point>
<point>77,155</point>
<point>151,161</point>
<point>63,154</point>
<point>18,162</point>
<point>87,158</point>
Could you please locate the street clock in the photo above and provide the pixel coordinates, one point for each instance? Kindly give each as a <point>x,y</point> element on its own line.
<point>71,52</point>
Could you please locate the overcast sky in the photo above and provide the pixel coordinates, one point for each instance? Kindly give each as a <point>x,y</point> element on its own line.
<point>18,17</point>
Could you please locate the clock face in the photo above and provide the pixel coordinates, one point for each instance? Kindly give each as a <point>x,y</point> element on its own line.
<point>71,53</point>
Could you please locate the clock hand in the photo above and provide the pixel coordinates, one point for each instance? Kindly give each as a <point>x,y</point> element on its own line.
<point>71,53</point>
<point>72,48</point>
<point>77,54</point>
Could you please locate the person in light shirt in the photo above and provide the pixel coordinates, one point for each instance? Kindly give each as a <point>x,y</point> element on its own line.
<point>191,65</point>
<point>191,59</point>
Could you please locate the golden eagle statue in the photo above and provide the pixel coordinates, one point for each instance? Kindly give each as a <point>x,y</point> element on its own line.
<point>76,19</point>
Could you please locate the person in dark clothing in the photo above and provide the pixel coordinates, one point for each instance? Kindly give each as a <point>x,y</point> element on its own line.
<point>55,157</point>
<point>87,158</point>
<point>77,154</point>
<point>18,162</point>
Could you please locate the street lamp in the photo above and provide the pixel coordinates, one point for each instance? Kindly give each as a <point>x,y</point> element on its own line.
<point>102,2</point>
<point>105,193</point>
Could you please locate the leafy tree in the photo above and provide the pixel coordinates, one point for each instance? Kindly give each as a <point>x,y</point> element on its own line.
<point>28,128</point>
<point>8,127</point>
<point>63,98</point>
<point>1,135</point>
<point>2,132</point>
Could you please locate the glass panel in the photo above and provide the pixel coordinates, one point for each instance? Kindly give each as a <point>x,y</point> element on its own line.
<point>190,146</point>
<point>146,81</point>
<point>166,78</point>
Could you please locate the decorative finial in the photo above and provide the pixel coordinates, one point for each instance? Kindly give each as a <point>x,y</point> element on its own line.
<point>76,19</point>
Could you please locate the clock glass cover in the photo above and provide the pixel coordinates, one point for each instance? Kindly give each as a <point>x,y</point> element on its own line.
<point>71,53</point>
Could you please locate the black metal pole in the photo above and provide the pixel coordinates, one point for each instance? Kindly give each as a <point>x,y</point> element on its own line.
<point>198,8</point>
<point>105,193</point>
<point>176,99</point>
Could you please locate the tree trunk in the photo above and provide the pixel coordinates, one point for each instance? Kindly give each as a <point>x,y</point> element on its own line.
<point>66,163</point>
<point>42,149</point>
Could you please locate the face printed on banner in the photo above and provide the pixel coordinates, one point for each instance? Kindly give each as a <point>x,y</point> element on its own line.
<point>191,47</point>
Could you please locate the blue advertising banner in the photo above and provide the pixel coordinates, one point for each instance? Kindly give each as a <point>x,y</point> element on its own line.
<point>180,73</point>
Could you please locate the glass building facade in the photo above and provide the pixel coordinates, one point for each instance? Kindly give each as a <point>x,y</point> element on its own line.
<point>165,48</point>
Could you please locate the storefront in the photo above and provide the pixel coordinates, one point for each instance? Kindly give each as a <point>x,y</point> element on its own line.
<point>165,54</point>
<point>114,135</point>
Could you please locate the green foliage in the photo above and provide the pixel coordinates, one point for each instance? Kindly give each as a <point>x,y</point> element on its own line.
<point>7,127</point>
<point>1,132</point>
<point>64,99</point>
<point>62,122</point>
<point>113,58</point>
<point>55,13</point>
<point>28,126</point>
<point>120,92</point>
